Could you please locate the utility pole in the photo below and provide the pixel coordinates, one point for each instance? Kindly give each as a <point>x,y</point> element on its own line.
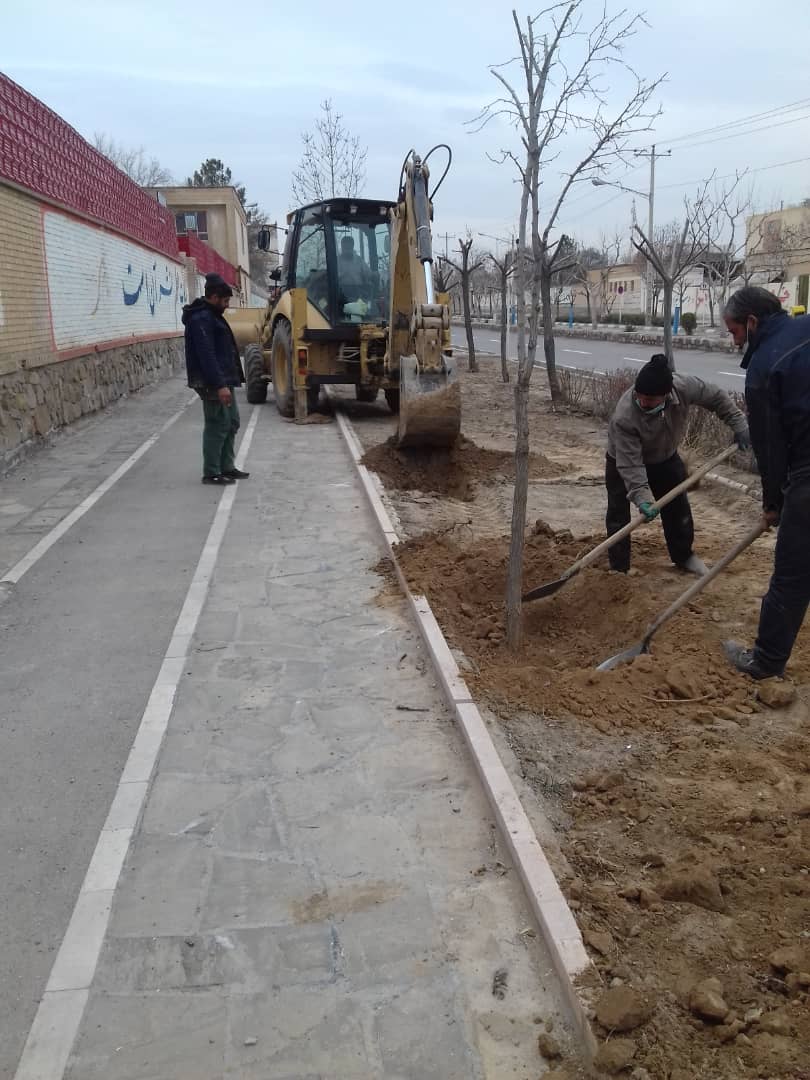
<point>652,155</point>
<point>446,238</point>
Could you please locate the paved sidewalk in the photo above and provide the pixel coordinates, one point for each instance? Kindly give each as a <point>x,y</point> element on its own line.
<point>316,887</point>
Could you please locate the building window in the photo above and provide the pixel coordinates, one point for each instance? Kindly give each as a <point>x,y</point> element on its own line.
<point>192,221</point>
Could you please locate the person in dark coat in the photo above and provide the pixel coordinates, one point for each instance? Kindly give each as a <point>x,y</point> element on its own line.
<point>776,361</point>
<point>214,369</point>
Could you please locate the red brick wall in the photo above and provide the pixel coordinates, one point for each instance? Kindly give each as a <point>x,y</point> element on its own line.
<point>40,152</point>
<point>44,155</point>
<point>208,261</point>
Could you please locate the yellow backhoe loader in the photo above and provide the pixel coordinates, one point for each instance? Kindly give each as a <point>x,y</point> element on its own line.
<point>357,306</point>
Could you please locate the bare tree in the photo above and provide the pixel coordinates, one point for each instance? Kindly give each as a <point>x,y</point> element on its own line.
<point>670,258</point>
<point>723,224</point>
<point>505,268</point>
<point>443,276</point>
<point>333,162</point>
<point>144,171</point>
<point>470,262</point>
<point>588,260</point>
<point>561,87</point>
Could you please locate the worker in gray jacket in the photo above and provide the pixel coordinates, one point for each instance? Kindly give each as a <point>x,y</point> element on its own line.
<point>643,463</point>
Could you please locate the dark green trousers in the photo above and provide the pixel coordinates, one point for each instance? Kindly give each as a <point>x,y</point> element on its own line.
<point>219,432</point>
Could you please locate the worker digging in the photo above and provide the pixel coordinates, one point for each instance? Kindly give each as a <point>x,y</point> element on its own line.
<point>675,786</point>
<point>643,462</point>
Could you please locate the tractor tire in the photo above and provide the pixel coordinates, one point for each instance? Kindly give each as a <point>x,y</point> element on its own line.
<point>392,397</point>
<point>366,393</point>
<point>282,360</point>
<point>255,381</point>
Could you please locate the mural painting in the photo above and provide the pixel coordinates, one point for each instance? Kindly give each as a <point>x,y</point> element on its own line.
<point>104,288</point>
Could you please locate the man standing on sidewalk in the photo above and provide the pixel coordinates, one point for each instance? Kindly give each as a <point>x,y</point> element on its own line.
<point>214,369</point>
<point>777,393</point>
<point>643,462</point>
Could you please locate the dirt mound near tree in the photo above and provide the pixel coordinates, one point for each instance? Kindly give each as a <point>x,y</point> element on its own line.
<point>682,802</point>
<point>452,471</point>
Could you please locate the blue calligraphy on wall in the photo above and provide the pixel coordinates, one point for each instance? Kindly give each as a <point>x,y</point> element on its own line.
<point>171,290</point>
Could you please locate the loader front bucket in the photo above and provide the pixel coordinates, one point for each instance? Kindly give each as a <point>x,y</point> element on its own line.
<point>429,405</point>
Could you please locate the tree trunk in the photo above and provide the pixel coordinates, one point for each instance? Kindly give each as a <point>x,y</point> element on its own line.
<point>472,363</point>
<point>548,337</point>
<point>711,306</point>
<point>514,581</point>
<point>668,292</point>
<point>504,331</point>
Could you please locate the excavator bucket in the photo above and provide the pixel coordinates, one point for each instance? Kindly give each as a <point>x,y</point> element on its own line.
<point>429,405</point>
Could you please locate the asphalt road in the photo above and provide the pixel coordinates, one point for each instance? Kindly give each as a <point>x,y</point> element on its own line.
<point>83,635</point>
<point>601,356</point>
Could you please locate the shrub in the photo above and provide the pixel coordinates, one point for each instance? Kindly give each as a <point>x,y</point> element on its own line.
<point>629,328</point>
<point>689,322</point>
<point>607,389</point>
<point>574,386</point>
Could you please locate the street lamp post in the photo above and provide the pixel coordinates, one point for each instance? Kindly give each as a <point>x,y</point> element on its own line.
<point>649,197</point>
<point>652,154</point>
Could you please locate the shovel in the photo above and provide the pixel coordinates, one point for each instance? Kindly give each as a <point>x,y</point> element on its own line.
<point>644,645</point>
<point>614,538</point>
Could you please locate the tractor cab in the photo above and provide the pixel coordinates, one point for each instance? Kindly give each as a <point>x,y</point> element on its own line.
<point>339,251</point>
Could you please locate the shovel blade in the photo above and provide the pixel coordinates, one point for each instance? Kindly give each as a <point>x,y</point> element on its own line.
<point>549,588</point>
<point>623,657</point>
<point>544,590</point>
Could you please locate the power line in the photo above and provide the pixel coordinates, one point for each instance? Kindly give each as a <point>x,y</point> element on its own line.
<point>742,175</point>
<point>791,107</point>
<point>747,131</point>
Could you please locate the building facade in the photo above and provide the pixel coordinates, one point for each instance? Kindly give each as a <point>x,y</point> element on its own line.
<point>214,216</point>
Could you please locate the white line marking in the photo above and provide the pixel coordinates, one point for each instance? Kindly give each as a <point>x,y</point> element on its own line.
<point>581,352</point>
<point>736,374</point>
<point>58,531</point>
<point>635,359</point>
<point>58,1018</point>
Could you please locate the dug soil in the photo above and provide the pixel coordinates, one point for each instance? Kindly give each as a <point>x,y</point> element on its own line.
<point>679,791</point>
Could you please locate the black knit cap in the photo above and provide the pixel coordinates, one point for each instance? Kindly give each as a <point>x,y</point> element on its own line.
<point>655,378</point>
<point>217,285</point>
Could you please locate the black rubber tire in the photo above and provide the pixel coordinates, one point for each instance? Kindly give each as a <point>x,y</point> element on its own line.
<point>366,393</point>
<point>255,382</point>
<point>282,361</point>
<point>392,397</point>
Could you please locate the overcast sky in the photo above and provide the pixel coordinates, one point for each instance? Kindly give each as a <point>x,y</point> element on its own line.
<point>241,82</point>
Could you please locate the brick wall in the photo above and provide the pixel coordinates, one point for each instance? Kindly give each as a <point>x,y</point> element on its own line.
<point>25,328</point>
<point>43,154</point>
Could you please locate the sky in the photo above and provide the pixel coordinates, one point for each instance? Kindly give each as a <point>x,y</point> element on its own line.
<point>243,83</point>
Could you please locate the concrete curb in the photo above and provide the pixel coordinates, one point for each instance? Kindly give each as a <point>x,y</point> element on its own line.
<point>554,917</point>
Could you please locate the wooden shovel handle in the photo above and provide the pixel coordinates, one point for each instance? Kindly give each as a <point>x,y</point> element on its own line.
<point>698,587</point>
<point>614,538</point>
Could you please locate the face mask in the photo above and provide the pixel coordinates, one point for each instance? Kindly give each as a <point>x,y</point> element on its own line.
<point>654,411</point>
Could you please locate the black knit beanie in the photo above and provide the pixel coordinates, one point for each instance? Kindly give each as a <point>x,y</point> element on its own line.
<point>655,378</point>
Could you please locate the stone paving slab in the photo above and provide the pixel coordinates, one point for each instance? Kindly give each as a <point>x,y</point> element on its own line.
<point>45,486</point>
<point>315,889</point>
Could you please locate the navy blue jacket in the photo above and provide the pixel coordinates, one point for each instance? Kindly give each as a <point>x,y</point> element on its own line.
<point>212,355</point>
<point>777,393</point>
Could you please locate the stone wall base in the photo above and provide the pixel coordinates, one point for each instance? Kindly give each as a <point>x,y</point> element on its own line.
<point>35,402</point>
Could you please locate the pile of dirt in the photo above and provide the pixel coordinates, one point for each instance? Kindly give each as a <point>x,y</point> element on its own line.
<point>679,791</point>
<point>682,801</point>
<point>453,471</point>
